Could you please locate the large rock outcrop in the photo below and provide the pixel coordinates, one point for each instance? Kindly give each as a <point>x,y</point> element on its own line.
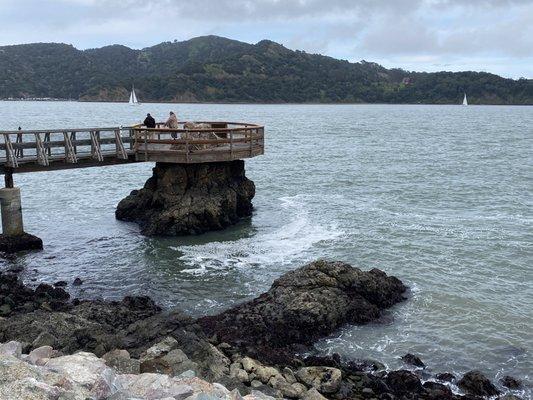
<point>188,199</point>
<point>150,353</point>
<point>304,305</point>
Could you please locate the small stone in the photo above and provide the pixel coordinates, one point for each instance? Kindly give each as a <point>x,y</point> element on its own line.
<point>11,348</point>
<point>155,366</point>
<point>5,310</point>
<point>242,376</point>
<point>249,365</point>
<point>288,374</point>
<point>40,355</point>
<point>161,348</point>
<point>265,373</point>
<point>446,377</point>
<point>312,394</point>
<point>187,374</point>
<point>235,395</point>
<point>324,379</point>
<point>255,383</point>
<point>413,360</point>
<point>436,390</point>
<point>234,366</point>
<point>77,282</point>
<point>179,362</point>
<point>510,382</point>
<point>121,362</point>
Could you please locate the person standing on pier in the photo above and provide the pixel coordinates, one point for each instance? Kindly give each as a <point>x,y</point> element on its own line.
<point>172,123</point>
<point>149,121</point>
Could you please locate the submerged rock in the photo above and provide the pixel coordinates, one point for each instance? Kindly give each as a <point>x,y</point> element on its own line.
<point>304,305</point>
<point>188,199</point>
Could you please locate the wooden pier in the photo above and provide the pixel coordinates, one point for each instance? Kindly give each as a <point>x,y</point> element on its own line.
<point>198,142</point>
<point>53,149</point>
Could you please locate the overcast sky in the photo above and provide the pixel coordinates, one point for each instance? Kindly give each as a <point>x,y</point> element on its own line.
<point>421,35</point>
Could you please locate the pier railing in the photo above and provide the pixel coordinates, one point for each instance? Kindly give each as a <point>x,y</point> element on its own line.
<point>199,142</point>
<point>64,148</point>
<point>25,151</point>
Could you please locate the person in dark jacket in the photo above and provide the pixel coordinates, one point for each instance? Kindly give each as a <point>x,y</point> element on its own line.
<point>149,121</point>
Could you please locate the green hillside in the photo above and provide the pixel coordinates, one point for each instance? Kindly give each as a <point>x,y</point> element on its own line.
<point>215,69</point>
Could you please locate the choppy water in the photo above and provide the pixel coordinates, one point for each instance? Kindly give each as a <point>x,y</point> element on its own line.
<point>439,196</point>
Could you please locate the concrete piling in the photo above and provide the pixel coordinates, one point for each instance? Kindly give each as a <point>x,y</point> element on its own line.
<point>13,237</point>
<point>11,211</point>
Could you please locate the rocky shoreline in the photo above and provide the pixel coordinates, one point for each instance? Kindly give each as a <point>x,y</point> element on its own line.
<point>56,347</point>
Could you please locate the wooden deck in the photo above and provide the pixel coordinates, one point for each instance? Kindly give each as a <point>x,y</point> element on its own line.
<point>43,150</point>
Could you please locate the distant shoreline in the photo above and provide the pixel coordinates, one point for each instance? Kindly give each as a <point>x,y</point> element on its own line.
<point>259,103</point>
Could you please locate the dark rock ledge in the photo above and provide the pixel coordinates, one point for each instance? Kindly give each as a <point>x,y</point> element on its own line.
<point>14,244</point>
<point>252,347</point>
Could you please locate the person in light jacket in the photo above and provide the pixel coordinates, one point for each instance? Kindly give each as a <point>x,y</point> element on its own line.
<point>172,123</point>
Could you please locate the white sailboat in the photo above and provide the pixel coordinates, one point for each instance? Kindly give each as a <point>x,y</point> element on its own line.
<point>133,97</point>
<point>465,101</point>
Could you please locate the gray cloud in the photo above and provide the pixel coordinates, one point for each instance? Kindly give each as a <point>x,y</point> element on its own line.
<point>419,34</point>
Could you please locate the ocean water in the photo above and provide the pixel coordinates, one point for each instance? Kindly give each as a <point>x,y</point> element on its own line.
<point>439,196</point>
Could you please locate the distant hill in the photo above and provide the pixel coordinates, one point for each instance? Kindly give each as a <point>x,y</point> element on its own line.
<point>216,69</point>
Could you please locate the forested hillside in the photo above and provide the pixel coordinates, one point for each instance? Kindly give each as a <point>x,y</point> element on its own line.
<point>215,69</point>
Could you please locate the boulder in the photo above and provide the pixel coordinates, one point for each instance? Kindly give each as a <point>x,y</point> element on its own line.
<point>312,394</point>
<point>41,355</point>
<point>160,349</point>
<point>187,199</point>
<point>12,348</point>
<point>154,386</point>
<point>179,362</point>
<point>121,362</point>
<point>446,377</point>
<point>324,379</point>
<point>510,382</point>
<point>474,382</point>
<point>436,391</point>
<point>87,371</point>
<point>411,359</point>
<point>304,305</point>
<point>14,244</point>
<point>402,382</point>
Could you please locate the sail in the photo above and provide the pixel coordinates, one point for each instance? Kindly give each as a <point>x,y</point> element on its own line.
<point>465,102</point>
<point>133,96</point>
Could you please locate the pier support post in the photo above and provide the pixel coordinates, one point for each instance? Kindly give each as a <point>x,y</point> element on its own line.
<point>11,211</point>
<point>8,177</point>
<point>13,238</point>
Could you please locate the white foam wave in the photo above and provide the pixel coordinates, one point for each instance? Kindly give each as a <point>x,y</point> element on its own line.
<point>278,246</point>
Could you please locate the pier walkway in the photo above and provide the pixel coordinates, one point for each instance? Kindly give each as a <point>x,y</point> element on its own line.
<point>198,142</point>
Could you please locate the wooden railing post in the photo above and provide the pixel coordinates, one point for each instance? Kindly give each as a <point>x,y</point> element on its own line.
<point>187,146</point>
<point>119,146</point>
<point>11,157</point>
<point>231,144</point>
<point>251,143</point>
<point>42,157</point>
<point>46,143</point>
<point>70,154</point>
